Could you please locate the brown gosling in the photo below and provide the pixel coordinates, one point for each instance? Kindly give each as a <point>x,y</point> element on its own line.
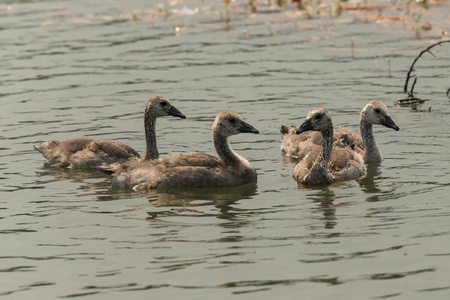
<point>192,169</point>
<point>374,113</point>
<point>325,164</point>
<point>88,153</point>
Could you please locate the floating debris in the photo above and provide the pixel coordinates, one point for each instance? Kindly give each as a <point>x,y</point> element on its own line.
<point>410,102</point>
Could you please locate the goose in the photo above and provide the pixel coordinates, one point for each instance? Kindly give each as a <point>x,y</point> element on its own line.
<point>374,113</point>
<point>325,164</point>
<point>192,169</point>
<point>88,153</point>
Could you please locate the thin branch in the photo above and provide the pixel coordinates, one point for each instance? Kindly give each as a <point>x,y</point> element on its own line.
<point>411,94</point>
<point>431,53</point>
<point>405,88</point>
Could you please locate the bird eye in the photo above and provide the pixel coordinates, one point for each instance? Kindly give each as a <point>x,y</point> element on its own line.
<point>164,103</point>
<point>232,120</point>
<point>377,110</point>
<point>318,117</point>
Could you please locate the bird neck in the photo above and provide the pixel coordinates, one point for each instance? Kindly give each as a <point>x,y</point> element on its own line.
<point>371,154</point>
<point>151,150</point>
<point>320,166</point>
<point>327,146</point>
<point>224,150</point>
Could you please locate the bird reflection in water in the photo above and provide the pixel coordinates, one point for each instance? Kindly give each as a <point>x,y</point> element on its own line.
<point>324,197</point>
<point>371,184</point>
<point>88,179</point>
<point>222,198</point>
<point>368,183</point>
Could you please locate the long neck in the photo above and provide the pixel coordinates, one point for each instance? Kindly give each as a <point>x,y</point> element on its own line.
<point>372,154</point>
<point>224,150</point>
<point>321,164</point>
<point>151,150</point>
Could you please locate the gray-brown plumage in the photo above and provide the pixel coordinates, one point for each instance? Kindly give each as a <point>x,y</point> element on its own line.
<point>192,169</point>
<point>325,164</point>
<point>88,153</point>
<point>156,107</point>
<point>84,153</point>
<point>374,113</point>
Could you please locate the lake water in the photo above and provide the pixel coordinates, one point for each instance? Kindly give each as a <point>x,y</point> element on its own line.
<point>87,68</point>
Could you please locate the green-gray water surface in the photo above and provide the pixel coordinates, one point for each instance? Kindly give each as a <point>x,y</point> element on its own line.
<point>87,68</point>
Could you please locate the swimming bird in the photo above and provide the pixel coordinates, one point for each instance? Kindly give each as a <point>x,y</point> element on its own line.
<point>374,113</point>
<point>325,164</point>
<point>88,153</point>
<point>192,169</point>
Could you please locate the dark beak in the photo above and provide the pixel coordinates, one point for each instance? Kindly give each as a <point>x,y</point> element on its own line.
<point>388,122</point>
<point>248,128</point>
<point>306,126</point>
<point>176,113</point>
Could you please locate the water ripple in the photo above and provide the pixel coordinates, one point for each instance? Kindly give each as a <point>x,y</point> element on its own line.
<point>74,69</point>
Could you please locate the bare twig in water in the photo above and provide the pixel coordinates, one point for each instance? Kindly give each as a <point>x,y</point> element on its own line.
<point>408,76</point>
<point>448,92</point>
<point>412,87</point>
<point>411,100</point>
